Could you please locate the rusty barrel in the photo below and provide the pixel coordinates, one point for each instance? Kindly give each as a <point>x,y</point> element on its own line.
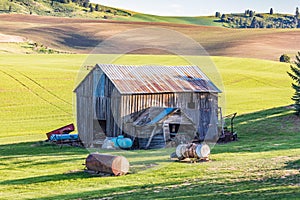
<point>192,151</point>
<point>117,165</point>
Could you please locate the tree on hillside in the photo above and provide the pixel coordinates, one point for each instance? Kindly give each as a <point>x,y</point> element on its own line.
<point>271,11</point>
<point>91,8</point>
<point>297,12</point>
<point>254,23</point>
<point>85,4</point>
<point>223,18</point>
<point>251,13</point>
<point>240,22</point>
<point>262,24</point>
<point>97,7</point>
<point>285,58</point>
<point>295,75</point>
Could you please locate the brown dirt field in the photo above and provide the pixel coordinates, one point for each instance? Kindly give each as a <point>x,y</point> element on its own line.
<point>11,38</point>
<point>81,36</point>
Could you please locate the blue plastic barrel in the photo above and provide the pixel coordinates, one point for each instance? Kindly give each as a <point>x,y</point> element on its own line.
<point>122,142</point>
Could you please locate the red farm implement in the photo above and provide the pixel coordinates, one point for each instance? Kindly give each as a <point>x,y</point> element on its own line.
<point>62,130</point>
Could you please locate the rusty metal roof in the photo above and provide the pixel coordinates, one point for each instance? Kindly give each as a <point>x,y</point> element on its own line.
<point>157,79</point>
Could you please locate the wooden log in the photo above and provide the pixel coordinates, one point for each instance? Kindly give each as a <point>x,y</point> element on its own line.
<point>117,165</point>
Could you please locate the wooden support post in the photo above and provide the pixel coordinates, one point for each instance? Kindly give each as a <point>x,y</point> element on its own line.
<point>151,136</point>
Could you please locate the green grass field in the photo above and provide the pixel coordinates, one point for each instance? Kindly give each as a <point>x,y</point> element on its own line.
<point>140,17</point>
<point>36,97</point>
<point>40,89</point>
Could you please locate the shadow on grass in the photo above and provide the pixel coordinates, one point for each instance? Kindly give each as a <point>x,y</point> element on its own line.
<point>30,163</point>
<point>281,188</point>
<point>34,149</point>
<point>293,165</point>
<point>30,149</point>
<point>46,178</point>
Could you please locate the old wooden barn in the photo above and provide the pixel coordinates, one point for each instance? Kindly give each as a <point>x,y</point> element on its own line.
<point>150,104</point>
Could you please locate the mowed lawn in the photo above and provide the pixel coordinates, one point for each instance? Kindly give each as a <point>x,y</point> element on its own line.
<point>36,97</point>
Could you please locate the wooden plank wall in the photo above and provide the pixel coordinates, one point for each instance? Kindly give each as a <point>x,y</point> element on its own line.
<point>204,115</point>
<point>113,106</point>
<point>137,102</point>
<point>84,102</point>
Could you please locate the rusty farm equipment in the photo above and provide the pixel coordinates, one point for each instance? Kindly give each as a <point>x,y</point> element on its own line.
<point>191,152</point>
<point>62,136</point>
<point>227,135</point>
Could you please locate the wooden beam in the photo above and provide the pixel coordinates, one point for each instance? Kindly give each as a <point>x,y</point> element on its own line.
<point>150,138</point>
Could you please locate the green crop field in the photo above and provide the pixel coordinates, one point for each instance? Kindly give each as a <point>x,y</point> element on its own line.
<point>140,17</point>
<point>37,88</point>
<point>36,97</point>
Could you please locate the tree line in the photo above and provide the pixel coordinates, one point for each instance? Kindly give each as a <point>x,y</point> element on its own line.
<point>249,19</point>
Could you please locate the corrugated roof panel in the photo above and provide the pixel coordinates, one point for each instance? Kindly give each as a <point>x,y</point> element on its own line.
<point>158,79</point>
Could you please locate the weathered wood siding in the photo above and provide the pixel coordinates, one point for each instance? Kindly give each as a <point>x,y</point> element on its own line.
<point>201,108</point>
<point>107,103</point>
<point>84,110</point>
<point>98,99</point>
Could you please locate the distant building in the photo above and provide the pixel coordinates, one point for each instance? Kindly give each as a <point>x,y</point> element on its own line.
<point>150,104</point>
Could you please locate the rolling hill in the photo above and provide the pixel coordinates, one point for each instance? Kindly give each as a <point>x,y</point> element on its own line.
<point>201,20</point>
<point>61,8</point>
<point>82,35</point>
<point>84,9</point>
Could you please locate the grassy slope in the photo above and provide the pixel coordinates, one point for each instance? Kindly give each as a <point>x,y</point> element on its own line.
<point>264,162</point>
<point>203,20</point>
<point>29,113</point>
<point>18,48</point>
<point>72,10</point>
<point>45,8</point>
<point>211,20</point>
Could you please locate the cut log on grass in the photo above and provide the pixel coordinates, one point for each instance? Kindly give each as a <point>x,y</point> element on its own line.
<point>117,165</point>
